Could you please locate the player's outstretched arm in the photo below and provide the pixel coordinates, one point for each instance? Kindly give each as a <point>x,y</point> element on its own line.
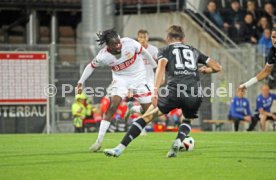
<point>259,77</point>
<point>147,55</point>
<point>86,73</point>
<point>212,67</point>
<point>264,73</point>
<point>159,75</point>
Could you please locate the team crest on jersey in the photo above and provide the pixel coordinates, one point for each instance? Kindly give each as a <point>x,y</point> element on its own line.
<point>128,55</point>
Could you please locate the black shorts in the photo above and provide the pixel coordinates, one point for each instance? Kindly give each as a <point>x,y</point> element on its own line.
<point>188,103</point>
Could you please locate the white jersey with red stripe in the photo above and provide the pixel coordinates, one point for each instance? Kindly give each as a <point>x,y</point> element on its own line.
<point>128,70</point>
<point>149,68</point>
<point>128,64</point>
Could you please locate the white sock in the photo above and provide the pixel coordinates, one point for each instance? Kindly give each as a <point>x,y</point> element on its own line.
<point>103,128</point>
<point>121,147</point>
<point>136,109</point>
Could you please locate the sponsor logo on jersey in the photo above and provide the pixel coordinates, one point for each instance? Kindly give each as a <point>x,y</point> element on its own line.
<point>185,72</point>
<point>125,64</point>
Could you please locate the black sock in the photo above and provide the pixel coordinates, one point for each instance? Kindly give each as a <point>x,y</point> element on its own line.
<point>237,123</point>
<point>134,131</point>
<point>253,124</point>
<point>183,130</point>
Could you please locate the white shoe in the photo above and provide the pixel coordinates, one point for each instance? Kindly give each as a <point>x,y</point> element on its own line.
<point>115,152</point>
<point>144,132</point>
<point>95,147</point>
<point>174,148</point>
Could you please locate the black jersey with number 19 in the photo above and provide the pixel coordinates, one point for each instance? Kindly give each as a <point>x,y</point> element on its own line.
<point>182,66</point>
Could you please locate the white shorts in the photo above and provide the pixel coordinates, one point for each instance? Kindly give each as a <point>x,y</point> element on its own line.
<point>150,82</point>
<point>151,86</point>
<point>140,91</point>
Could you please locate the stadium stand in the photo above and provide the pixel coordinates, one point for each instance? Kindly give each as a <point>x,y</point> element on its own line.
<point>146,6</point>
<point>44,35</point>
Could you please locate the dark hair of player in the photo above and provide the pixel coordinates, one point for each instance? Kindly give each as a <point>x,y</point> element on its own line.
<point>175,32</point>
<point>267,2</point>
<point>274,29</point>
<point>107,36</point>
<point>249,14</point>
<point>267,28</point>
<point>212,1</point>
<point>142,31</point>
<point>252,1</point>
<point>234,1</point>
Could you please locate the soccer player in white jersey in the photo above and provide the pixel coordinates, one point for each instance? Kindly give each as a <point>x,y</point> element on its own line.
<point>143,38</point>
<point>128,70</point>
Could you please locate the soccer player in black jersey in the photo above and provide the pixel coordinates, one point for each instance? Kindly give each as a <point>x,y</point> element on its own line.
<point>180,62</point>
<point>270,61</point>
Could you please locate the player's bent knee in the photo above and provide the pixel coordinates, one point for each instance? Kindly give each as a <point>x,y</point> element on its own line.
<point>187,121</point>
<point>263,116</point>
<point>148,118</point>
<point>263,119</point>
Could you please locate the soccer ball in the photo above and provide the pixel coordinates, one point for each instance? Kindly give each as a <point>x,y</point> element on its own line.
<point>187,144</point>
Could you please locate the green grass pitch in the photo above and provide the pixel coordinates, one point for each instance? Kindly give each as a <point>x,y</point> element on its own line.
<point>65,156</point>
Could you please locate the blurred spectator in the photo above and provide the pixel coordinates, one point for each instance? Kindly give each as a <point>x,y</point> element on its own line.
<point>213,15</point>
<point>89,109</point>
<point>263,106</point>
<point>234,17</point>
<point>89,123</point>
<point>265,42</point>
<point>251,8</point>
<point>122,108</point>
<point>262,25</point>
<point>79,112</point>
<point>248,30</point>
<point>174,117</point>
<point>235,14</point>
<point>240,109</point>
<point>269,14</point>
